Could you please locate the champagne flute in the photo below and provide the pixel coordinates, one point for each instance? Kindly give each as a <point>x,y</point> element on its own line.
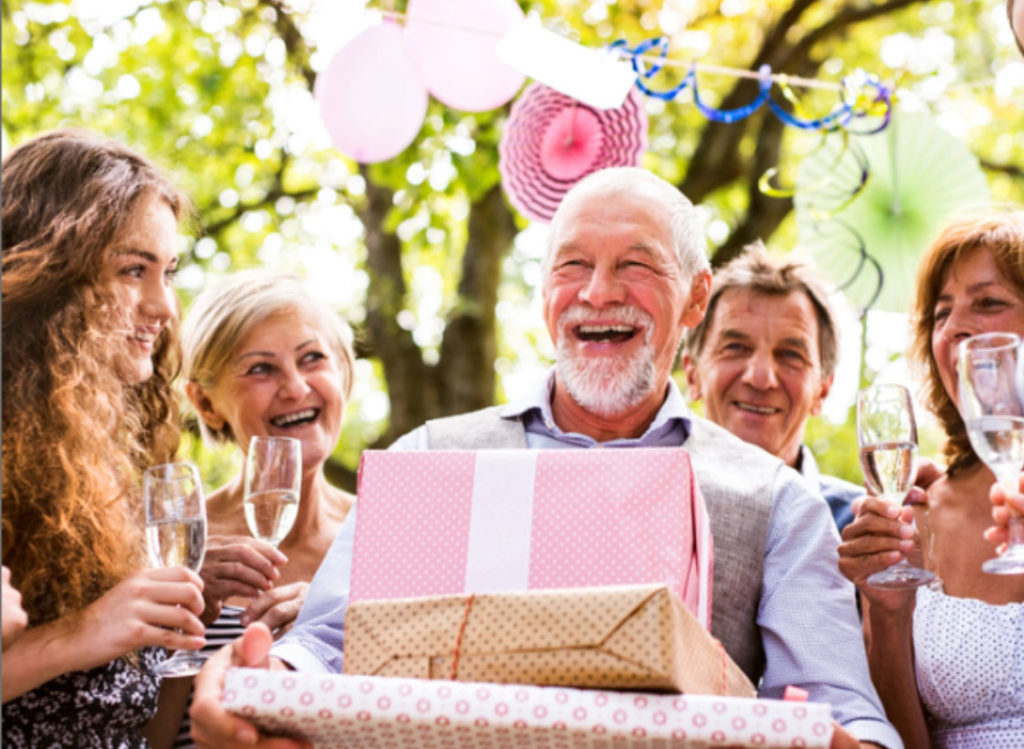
<point>993,414</point>
<point>176,536</point>
<point>273,472</point>
<point>887,435</point>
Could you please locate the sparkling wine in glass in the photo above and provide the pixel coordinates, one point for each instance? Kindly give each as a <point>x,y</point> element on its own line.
<point>273,472</point>
<point>176,536</point>
<point>993,414</point>
<point>887,435</point>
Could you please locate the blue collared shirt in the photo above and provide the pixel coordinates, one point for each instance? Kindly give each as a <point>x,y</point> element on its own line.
<point>809,625</point>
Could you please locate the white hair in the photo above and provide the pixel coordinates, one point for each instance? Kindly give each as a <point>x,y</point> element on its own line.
<point>687,229</point>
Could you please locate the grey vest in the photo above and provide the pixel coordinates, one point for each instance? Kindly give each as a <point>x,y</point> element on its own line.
<point>735,479</point>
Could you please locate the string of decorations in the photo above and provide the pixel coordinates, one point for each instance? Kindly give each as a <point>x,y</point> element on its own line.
<point>861,94</point>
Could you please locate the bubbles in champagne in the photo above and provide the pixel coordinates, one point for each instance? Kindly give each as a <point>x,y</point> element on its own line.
<point>271,514</point>
<point>889,469</point>
<point>176,542</point>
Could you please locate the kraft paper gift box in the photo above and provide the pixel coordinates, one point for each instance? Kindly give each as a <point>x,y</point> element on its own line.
<point>627,637</point>
<point>444,522</point>
<point>371,712</point>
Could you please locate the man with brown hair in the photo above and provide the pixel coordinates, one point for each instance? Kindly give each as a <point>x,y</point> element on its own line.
<point>763,360</point>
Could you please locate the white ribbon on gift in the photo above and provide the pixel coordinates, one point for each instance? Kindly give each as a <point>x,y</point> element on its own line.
<point>501,519</point>
<point>498,556</point>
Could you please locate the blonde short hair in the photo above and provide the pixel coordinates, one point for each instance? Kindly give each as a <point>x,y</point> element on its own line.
<point>226,312</point>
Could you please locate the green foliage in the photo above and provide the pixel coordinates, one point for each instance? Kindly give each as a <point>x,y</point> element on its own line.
<point>219,93</point>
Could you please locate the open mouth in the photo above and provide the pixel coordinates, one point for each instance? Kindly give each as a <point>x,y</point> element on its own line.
<point>605,333</point>
<point>296,418</point>
<point>760,410</point>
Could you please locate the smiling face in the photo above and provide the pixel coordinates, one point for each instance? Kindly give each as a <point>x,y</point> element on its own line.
<point>616,304</point>
<point>282,379</point>
<point>975,298</point>
<point>759,372</point>
<point>139,272</point>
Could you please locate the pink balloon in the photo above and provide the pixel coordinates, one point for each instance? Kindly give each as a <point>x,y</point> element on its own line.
<point>453,41</point>
<point>371,95</point>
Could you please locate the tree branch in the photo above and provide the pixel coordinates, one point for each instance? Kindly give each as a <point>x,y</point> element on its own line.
<point>294,42</point>
<point>1011,170</point>
<point>412,386</point>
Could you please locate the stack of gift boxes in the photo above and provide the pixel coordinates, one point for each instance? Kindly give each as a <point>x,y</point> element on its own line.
<point>496,597</point>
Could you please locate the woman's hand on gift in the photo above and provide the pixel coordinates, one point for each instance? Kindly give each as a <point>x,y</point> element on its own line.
<point>880,535</point>
<point>277,608</point>
<point>237,566</point>
<point>1004,505</point>
<point>214,727</point>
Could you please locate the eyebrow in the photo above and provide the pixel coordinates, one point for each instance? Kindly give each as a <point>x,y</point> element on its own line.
<point>270,354</point>
<point>973,288</point>
<point>144,254</point>
<point>733,334</point>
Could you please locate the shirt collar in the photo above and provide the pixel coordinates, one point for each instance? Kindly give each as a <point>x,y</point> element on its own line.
<point>538,400</point>
<point>808,465</point>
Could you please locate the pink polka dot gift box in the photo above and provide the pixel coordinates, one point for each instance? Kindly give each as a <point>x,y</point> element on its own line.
<point>370,712</point>
<point>441,522</point>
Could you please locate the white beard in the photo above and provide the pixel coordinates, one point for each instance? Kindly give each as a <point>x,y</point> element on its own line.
<point>606,385</point>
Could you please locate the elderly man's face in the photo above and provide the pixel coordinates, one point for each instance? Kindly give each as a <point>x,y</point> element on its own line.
<point>614,302</point>
<point>759,372</point>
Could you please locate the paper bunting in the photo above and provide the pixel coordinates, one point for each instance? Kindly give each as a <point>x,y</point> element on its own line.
<point>551,142</point>
<point>904,185</point>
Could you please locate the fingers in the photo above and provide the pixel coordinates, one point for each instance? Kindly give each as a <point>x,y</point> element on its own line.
<point>880,536</point>
<point>169,586</point>
<point>843,739</point>
<point>278,606</point>
<point>237,566</point>
<point>212,725</point>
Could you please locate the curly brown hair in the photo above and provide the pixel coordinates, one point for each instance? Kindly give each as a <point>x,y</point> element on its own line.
<point>74,435</point>
<point>1002,235</point>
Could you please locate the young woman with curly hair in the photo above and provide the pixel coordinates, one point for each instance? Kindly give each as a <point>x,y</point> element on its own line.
<point>89,352</point>
<point>946,658</point>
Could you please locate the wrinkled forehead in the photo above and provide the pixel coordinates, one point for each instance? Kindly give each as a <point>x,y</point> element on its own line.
<point>630,210</point>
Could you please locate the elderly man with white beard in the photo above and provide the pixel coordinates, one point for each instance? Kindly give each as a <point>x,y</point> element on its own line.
<point>624,276</point>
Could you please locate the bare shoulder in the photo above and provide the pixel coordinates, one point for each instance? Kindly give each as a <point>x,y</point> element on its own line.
<point>224,515</point>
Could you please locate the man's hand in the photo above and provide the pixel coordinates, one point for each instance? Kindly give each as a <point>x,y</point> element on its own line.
<point>843,739</point>
<point>213,727</point>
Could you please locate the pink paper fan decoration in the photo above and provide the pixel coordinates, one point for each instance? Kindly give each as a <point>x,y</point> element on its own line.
<point>453,41</point>
<point>552,141</point>
<point>371,96</point>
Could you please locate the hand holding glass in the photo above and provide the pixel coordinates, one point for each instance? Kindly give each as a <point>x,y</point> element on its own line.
<point>176,536</point>
<point>993,414</point>
<point>273,473</point>
<point>887,435</point>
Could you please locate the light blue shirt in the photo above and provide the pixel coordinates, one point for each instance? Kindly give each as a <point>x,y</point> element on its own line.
<point>809,625</point>
<point>839,493</point>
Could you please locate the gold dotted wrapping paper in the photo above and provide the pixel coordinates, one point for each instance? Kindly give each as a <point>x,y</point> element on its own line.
<point>622,637</point>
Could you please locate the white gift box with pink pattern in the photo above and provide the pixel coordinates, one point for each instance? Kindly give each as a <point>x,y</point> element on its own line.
<point>370,711</point>
<point>442,522</point>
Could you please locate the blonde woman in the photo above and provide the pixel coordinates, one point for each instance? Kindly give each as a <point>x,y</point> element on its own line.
<point>263,357</point>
